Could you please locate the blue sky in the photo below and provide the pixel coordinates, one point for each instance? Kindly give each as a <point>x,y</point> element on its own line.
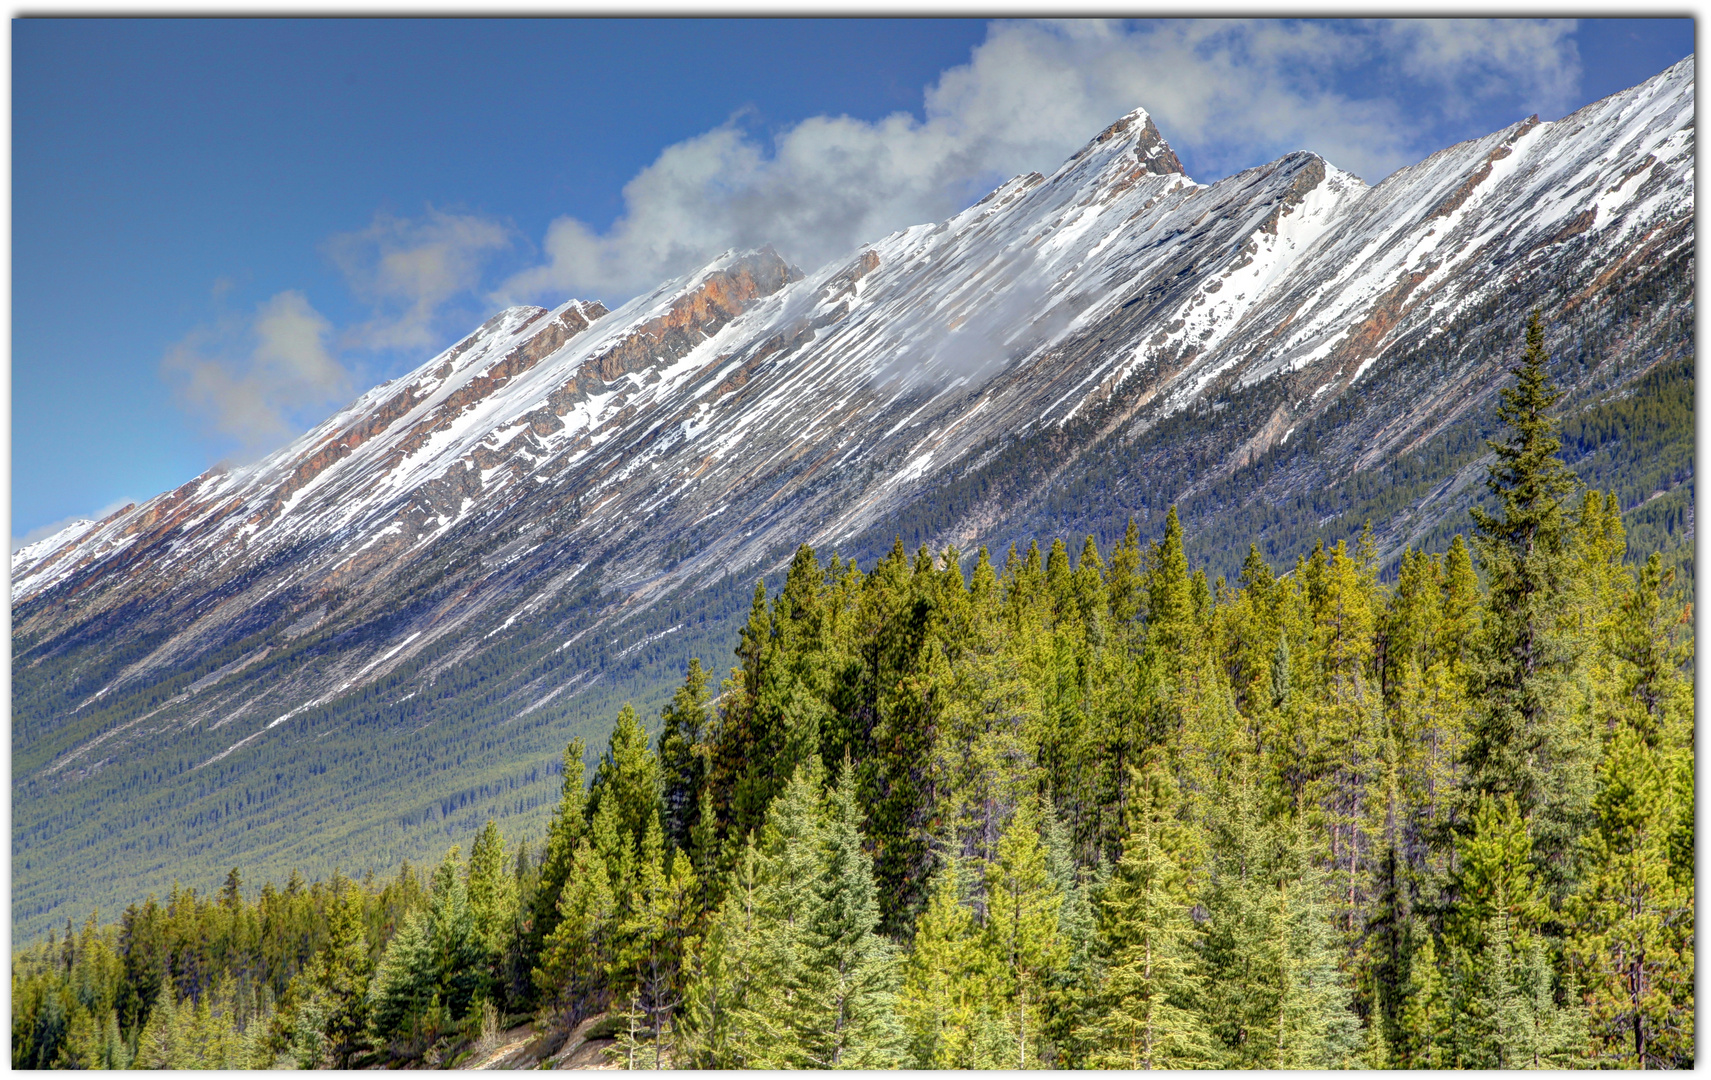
<point>224,229</point>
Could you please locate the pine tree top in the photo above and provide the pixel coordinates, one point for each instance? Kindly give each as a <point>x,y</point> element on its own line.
<point>1527,475</point>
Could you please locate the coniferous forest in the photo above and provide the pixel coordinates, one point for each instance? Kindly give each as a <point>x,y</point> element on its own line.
<point>1064,809</point>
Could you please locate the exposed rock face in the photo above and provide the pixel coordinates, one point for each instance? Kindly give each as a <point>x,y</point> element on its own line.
<point>577,473</point>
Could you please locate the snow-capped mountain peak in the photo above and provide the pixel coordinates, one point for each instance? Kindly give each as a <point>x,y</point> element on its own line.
<point>711,424</point>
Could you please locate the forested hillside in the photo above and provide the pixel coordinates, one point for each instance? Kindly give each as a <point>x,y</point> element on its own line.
<point>1075,811</point>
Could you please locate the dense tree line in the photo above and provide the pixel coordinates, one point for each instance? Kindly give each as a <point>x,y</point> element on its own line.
<point>1090,812</point>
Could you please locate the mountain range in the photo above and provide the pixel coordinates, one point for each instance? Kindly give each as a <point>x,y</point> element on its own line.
<point>358,648</point>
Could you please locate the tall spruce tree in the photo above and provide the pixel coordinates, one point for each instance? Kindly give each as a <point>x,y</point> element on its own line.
<point>1516,738</point>
<point>653,938</point>
<point>772,1025</point>
<point>330,995</point>
<point>1023,907</point>
<point>1170,601</point>
<point>405,980</point>
<point>1274,997</point>
<point>574,964</point>
<point>569,827</point>
<point>722,967</point>
<point>627,777</point>
<point>1632,940</point>
<point>852,972</point>
<point>954,1010</point>
<point>1506,1008</point>
<point>683,756</point>
<point>453,937</point>
<point>160,1045</point>
<point>492,889</point>
<point>1073,983</point>
<point>1149,1017</point>
<point>1428,1016</point>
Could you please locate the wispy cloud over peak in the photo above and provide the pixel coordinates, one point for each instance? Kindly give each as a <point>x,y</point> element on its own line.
<point>1227,94</point>
<point>246,378</point>
<point>409,268</point>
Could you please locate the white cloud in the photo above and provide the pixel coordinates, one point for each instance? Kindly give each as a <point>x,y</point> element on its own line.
<point>1232,93</point>
<point>248,378</point>
<point>1533,60</point>
<point>409,268</point>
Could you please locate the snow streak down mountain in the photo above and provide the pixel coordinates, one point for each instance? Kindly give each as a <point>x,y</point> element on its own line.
<point>574,478</point>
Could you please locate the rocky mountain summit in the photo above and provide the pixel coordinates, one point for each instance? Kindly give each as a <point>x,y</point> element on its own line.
<point>275,664</point>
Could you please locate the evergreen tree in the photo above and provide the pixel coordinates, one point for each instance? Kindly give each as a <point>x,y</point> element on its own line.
<point>492,889</point>
<point>81,1048</point>
<point>1633,936</point>
<point>1314,1026</point>
<point>1123,581</point>
<point>116,1055</point>
<point>405,979</point>
<point>772,1024</point>
<point>1495,877</point>
<point>1516,738</point>
<point>1022,923</point>
<point>1273,995</point>
<point>329,998</point>
<point>653,938</point>
<point>683,756</point>
<point>1149,1018</point>
<point>852,971</point>
<point>1651,695</point>
<point>1506,1016</point>
<point>453,938</point>
<point>722,968</point>
<point>1170,603</point>
<point>232,892</point>
<point>1506,1012</point>
<point>907,666</point>
<point>572,967</point>
<point>568,828</point>
<point>704,850</point>
<point>743,774</point>
<point>160,1046</point>
<point>952,1005</point>
<point>1461,624</point>
<point>1428,1017</point>
<point>1073,983</point>
<point>628,778</point>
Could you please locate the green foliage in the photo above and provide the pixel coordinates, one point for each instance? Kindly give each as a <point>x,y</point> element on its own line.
<point>1522,551</point>
<point>569,828</point>
<point>1633,944</point>
<point>1153,985</point>
<point>654,936</point>
<point>682,756</point>
<point>493,906</point>
<point>326,1005</point>
<point>952,1002</point>
<point>453,937</point>
<point>1023,904</point>
<point>627,778</point>
<point>774,1024</point>
<point>852,978</point>
<point>406,980</point>
<point>721,970</point>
